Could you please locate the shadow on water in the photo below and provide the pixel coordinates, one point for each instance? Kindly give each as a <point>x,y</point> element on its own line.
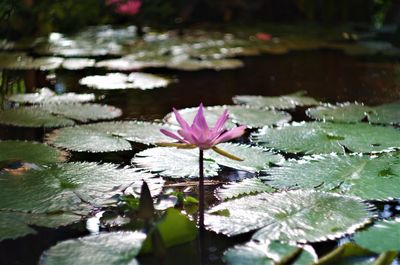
<point>327,75</point>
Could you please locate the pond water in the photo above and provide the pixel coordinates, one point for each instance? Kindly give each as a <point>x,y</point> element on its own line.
<point>327,75</point>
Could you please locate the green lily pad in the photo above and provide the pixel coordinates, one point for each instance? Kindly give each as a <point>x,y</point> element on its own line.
<point>118,248</point>
<point>283,102</point>
<point>46,95</point>
<point>31,152</point>
<point>383,236</point>
<point>346,112</point>
<point>174,163</point>
<point>255,159</point>
<point>290,216</point>
<point>78,63</point>
<point>110,81</point>
<point>385,114</point>
<point>237,115</point>
<point>269,253</point>
<point>349,254</point>
<point>352,175</point>
<point>32,117</point>
<point>21,61</point>
<point>71,187</point>
<point>187,64</point>
<point>318,137</point>
<point>107,136</point>
<point>84,112</point>
<point>18,224</point>
<point>242,188</point>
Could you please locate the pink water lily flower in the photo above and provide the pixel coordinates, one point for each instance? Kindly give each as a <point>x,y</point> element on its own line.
<point>200,135</point>
<point>125,7</point>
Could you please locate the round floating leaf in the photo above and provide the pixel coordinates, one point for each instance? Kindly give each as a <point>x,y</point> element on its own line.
<point>46,95</point>
<point>30,152</point>
<point>385,114</point>
<point>254,158</point>
<point>347,112</point>
<point>290,216</point>
<point>18,224</point>
<point>175,163</point>
<point>32,117</point>
<point>269,253</point>
<point>83,139</point>
<point>318,137</point>
<point>21,61</point>
<point>244,187</point>
<point>84,112</point>
<point>353,175</point>
<point>71,187</point>
<point>117,248</point>
<point>383,236</point>
<point>282,102</point>
<point>78,63</point>
<point>187,64</point>
<point>121,81</point>
<point>349,254</point>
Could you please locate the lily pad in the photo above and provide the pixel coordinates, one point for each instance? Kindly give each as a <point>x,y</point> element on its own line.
<point>174,163</point>
<point>107,136</point>
<point>30,152</point>
<point>255,159</point>
<point>111,81</point>
<point>283,102</point>
<point>84,112</point>
<point>21,61</point>
<point>46,95</point>
<point>71,187</point>
<point>383,236</point>
<point>318,137</point>
<point>237,115</point>
<point>385,114</point>
<point>349,254</point>
<point>32,117</point>
<point>346,112</point>
<point>18,224</point>
<point>187,64</point>
<point>290,216</point>
<point>352,175</point>
<point>269,253</point>
<point>118,248</point>
<point>78,63</point>
<point>242,188</point>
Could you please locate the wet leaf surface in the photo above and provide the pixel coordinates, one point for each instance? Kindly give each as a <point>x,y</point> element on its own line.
<point>46,95</point>
<point>242,188</point>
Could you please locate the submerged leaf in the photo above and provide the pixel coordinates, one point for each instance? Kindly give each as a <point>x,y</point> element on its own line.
<point>117,248</point>
<point>291,216</point>
<point>269,253</point>
<point>383,236</point>
<point>318,137</point>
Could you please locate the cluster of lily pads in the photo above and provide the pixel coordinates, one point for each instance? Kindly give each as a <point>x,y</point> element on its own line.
<point>342,164</point>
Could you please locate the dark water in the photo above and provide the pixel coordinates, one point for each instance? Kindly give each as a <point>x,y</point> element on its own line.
<point>327,75</point>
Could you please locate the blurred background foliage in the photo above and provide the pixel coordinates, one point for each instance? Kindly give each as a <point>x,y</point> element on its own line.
<point>20,18</point>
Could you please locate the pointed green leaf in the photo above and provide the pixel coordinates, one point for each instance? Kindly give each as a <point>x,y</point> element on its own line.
<point>117,248</point>
<point>269,253</point>
<point>290,216</point>
<point>318,137</point>
<point>383,236</point>
<point>352,175</point>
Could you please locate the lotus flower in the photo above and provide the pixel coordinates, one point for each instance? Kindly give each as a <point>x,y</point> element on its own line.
<point>200,135</point>
<point>126,7</point>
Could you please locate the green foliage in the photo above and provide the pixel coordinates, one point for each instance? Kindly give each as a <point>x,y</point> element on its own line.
<point>242,188</point>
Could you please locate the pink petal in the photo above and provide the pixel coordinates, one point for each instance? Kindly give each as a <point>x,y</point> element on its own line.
<point>231,134</point>
<point>200,120</point>
<point>221,121</point>
<point>171,134</point>
<point>184,125</point>
<point>187,136</point>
